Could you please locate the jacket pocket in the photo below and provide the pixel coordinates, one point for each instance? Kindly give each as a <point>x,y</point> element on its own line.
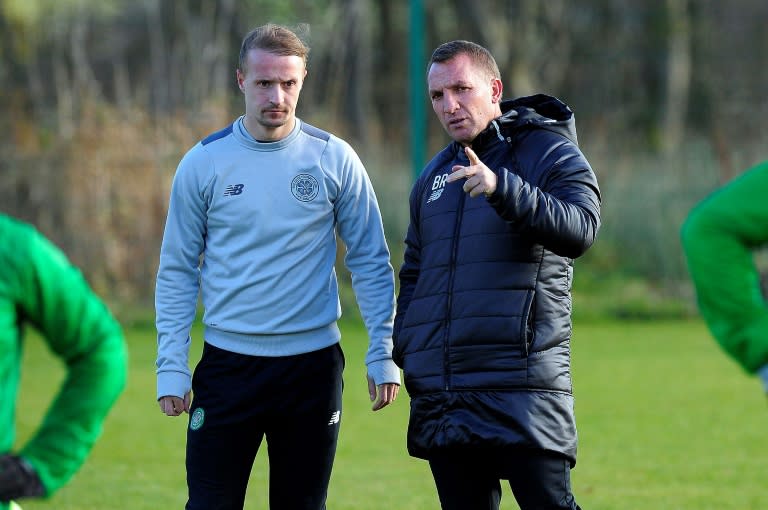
<point>527,323</point>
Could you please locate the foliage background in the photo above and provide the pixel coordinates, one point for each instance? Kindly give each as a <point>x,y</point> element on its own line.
<point>101,100</point>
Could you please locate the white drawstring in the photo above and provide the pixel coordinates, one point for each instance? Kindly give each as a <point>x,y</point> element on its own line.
<point>498,131</point>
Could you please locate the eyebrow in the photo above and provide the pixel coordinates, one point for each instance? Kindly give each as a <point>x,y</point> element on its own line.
<point>459,83</point>
<point>275,79</point>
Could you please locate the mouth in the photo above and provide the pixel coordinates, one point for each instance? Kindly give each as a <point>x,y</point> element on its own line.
<point>455,122</point>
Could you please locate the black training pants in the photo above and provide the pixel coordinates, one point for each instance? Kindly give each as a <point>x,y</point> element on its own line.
<point>539,480</point>
<point>293,401</point>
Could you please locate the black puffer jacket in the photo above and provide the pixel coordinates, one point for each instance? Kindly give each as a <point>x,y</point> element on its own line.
<point>483,323</point>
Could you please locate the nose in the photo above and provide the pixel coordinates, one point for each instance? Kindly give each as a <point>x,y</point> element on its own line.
<point>450,104</point>
<point>276,95</point>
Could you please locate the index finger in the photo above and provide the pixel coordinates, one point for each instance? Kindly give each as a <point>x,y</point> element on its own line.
<point>473,159</point>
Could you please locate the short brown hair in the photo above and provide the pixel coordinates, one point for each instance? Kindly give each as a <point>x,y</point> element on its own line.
<point>276,39</point>
<point>480,56</point>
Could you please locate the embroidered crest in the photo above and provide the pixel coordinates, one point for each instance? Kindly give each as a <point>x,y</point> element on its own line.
<point>305,187</point>
<point>198,417</point>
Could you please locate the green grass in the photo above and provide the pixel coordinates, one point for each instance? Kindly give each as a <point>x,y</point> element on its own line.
<point>666,421</point>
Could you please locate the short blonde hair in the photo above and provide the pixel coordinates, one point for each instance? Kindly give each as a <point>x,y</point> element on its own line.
<point>276,39</point>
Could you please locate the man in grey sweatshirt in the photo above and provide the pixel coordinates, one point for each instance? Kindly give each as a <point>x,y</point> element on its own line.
<point>252,223</point>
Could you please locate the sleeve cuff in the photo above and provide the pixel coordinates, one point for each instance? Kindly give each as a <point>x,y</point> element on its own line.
<point>175,384</point>
<point>383,372</point>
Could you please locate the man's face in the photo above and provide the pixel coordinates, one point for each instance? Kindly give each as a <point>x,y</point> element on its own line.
<point>464,98</point>
<point>271,85</point>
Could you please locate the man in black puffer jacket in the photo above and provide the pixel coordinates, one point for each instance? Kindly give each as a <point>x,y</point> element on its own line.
<point>483,324</point>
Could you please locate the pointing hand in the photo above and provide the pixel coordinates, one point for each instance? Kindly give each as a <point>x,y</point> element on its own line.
<point>479,178</point>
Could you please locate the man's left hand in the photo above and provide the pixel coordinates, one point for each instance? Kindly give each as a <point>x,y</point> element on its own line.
<point>480,180</point>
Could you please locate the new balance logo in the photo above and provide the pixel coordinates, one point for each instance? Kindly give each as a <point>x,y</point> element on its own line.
<point>233,189</point>
<point>435,195</point>
<point>335,418</point>
<point>438,186</point>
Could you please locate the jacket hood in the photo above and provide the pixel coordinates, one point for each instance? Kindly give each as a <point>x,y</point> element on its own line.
<point>537,111</point>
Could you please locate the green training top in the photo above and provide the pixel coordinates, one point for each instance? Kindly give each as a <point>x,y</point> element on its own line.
<point>40,287</point>
<point>718,238</point>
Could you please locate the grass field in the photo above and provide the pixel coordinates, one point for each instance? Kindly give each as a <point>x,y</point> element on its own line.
<point>666,422</point>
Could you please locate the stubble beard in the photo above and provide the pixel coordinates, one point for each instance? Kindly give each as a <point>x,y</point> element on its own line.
<point>273,121</point>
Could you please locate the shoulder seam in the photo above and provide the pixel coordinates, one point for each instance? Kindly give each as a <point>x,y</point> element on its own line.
<point>315,132</point>
<point>217,135</point>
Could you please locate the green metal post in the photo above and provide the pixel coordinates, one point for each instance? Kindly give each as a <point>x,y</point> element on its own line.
<point>417,87</point>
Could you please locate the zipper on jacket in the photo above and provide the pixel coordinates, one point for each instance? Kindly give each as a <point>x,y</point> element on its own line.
<point>454,252</point>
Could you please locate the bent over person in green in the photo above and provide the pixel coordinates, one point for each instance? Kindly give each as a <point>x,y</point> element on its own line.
<point>39,287</point>
<point>719,239</point>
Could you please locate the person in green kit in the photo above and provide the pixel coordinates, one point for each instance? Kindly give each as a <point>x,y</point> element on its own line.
<point>40,288</point>
<point>719,238</point>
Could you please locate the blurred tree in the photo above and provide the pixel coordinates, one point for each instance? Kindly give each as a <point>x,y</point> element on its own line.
<point>678,73</point>
<point>102,98</point>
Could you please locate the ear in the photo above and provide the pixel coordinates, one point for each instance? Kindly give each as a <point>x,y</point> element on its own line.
<point>240,77</point>
<point>496,89</point>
